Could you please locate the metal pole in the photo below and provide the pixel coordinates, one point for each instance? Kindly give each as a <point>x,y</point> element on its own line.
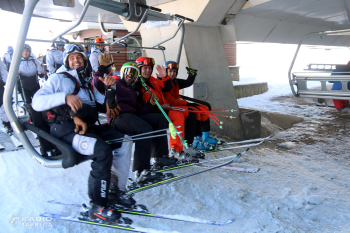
<point>10,84</point>
<point>181,43</point>
<point>291,66</point>
<point>77,23</point>
<point>172,36</point>
<point>137,28</point>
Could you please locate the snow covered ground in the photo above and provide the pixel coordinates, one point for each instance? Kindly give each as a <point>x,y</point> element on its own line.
<point>302,186</point>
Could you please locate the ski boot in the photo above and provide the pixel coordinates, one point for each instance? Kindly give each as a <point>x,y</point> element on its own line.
<point>8,127</point>
<point>146,176</point>
<point>200,145</point>
<point>211,140</point>
<point>164,162</point>
<point>182,156</point>
<point>120,199</point>
<point>103,214</point>
<point>195,153</point>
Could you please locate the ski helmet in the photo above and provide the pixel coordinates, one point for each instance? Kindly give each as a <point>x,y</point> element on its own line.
<point>27,46</point>
<point>145,61</point>
<point>129,68</point>
<point>171,65</point>
<point>10,49</point>
<point>99,40</point>
<point>70,49</point>
<point>60,44</point>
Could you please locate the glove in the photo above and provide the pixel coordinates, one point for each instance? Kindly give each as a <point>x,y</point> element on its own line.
<point>151,100</point>
<point>111,104</point>
<point>191,71</point>
<point>105,62</point>
<point>79,123</point>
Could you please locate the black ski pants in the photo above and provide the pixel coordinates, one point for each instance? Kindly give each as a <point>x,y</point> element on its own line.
<point>92,145</point>
<point>131,124</point>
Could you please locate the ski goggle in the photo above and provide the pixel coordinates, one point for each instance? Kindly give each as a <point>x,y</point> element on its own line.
<point>131,71</point>
<point>71,48</point>
<point>60,44</point>
<point>148,62</point>
<point>173,65</point>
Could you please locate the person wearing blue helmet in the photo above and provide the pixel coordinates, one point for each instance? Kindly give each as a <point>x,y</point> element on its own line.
<point>70,102</point>
<point>54,57</point>
<point>7,58</point>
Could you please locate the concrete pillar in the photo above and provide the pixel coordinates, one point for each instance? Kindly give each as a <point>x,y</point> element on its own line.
<point>202,50</point>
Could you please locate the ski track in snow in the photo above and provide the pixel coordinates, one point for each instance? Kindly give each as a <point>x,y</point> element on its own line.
<point>301,187</point>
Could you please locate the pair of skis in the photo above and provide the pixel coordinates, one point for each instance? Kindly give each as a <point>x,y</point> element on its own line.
<point>13,139</point>
<point>143,212</point>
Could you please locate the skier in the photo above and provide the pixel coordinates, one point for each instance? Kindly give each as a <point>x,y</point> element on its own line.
<point>7,58</point>
<point>96,51</point>
<point>3,79</point>
<point>202,140</point>
<point>130,121</point>
<point>157,86</point>
<point>28,72</point>
<point>54,58</point>
<point>71,101</point>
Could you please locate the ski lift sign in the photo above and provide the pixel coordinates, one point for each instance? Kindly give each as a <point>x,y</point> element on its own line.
<point>157,24</point>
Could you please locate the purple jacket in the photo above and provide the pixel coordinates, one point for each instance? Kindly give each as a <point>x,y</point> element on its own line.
<point>126,96</point>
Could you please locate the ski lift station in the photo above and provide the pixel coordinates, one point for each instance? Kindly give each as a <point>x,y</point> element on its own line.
<point>192,33</point>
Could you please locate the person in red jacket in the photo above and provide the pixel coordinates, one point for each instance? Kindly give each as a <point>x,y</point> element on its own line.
<point>157,87</point>
<point>202,139</point>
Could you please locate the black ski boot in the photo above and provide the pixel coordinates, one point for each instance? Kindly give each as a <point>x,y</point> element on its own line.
<point>146,176</point>
<point>163,162</point>
<point>120,199</point>
<point>103,214</point>
<point>8,127</point>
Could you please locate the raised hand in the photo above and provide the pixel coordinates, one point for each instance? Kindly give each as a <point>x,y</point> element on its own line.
<point>161,71</point>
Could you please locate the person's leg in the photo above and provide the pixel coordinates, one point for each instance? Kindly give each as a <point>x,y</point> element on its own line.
<point>159,144</point>
<point>131,124</point>
<point>178,119</point>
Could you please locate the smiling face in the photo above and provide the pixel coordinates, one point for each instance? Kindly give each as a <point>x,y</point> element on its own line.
<point>172,73</point>
<point>75,61</point>
<point>26,53</point>
<point>100,47</point>
<point>129,78</point>
<point>146,71</point>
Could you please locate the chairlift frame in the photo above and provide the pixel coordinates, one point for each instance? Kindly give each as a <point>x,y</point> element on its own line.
<point>68,158</point>
<point>300,79</point>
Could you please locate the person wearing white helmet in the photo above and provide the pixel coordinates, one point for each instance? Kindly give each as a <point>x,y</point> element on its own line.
<point>96,51</point>
<point>70,102</point>
<point>7,58</point>
<point>54,57</point>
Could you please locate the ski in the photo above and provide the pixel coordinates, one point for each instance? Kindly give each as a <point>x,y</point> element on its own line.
<point>217,149</point>
<point>148,214</point>
<point>86,220</point>
<point>137,188</point>
<point>237,169</point>
<point>245,141</point>
<point>14,139</point>
<point>196,164</point>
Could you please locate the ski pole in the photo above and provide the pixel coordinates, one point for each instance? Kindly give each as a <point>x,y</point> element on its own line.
<point>173,130</point>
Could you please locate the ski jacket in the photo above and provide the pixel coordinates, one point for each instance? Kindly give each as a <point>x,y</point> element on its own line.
<point>54,60</point>
<point>30,66</point>
<point>172,97</point>
<point>3,74</point>
<point>95,59</point>
<point>7,59</point>
<point>126,96</point>
<point>157,86</point>
<point>54,91</point>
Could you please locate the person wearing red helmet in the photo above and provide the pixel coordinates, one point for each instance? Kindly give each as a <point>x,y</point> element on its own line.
<point>96,51</point>
<point>157,87</point>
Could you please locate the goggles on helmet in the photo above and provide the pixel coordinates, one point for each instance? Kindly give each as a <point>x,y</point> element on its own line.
<point>173,65</point>
<point>71,48</point>
<point>131,71</point>
<point>148,62</point>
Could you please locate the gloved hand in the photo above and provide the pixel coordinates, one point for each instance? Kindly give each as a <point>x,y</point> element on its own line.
<point>191,71</point>
<point>151,100</point>
<point>79,123</point>
<point>105,62</point>
<point>111,104</point>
